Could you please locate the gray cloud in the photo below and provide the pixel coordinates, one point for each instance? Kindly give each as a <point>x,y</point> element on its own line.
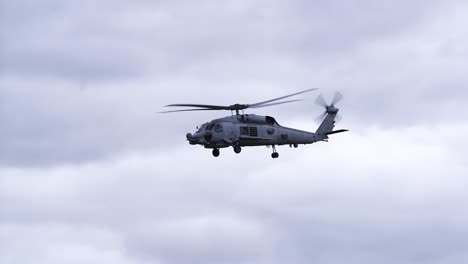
<point>304,211</point>
<point>65,41</point>
<point>90,173</point>
<point>397,65</point>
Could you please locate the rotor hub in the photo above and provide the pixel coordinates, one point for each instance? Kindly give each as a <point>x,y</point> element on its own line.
<point>238,106</point>
<point>332,109</point>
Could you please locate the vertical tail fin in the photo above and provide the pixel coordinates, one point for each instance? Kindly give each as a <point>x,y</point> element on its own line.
<point>328,122</point>
<point>326,127</point>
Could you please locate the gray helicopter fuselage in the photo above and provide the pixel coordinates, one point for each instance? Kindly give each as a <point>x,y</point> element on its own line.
<point>238,130</point>
<point>248,130</point>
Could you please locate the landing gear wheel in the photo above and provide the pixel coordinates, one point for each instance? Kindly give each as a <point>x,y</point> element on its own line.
<point>216,152</point>
<point>295,145</point>
<point>274,154</point>
<point>237,149</point>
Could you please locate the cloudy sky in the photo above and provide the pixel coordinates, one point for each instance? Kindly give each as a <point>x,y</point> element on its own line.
<point>89,173</point>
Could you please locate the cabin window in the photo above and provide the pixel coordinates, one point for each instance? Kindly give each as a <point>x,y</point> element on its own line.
<point>244,131</point>
<point>253,131</point>
<point>249,131</point>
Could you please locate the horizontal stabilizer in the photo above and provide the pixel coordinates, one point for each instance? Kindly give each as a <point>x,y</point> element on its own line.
<point>336,131</point>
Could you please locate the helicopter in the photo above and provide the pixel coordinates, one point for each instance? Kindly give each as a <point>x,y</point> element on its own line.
<point>242,130</point>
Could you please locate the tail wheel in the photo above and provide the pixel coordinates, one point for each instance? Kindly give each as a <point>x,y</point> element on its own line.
<point>215,152</point>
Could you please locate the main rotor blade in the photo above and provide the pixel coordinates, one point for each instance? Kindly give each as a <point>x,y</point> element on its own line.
<point>278,103</point>
<point>211,107</point>
<point>321,101</point>
<point>337,97</point>
<point>186,110</point>
<point>279,98</point>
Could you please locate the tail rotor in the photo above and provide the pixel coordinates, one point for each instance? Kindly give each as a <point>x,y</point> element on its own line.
<point>336,98</point>
<point>329,108</point>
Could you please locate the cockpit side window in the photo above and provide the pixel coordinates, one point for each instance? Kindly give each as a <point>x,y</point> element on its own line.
<point>210,126</point>
<point>218,127</point>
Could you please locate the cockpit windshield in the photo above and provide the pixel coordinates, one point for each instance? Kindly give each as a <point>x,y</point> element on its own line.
<point>202,127</point>
<point>217,127</point>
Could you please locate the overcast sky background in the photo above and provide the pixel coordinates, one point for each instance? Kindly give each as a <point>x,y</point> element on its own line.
<point>89,173</point>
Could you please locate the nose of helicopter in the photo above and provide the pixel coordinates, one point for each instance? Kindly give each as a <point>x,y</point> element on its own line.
<point>199,138</point>
<point>192,140</point>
